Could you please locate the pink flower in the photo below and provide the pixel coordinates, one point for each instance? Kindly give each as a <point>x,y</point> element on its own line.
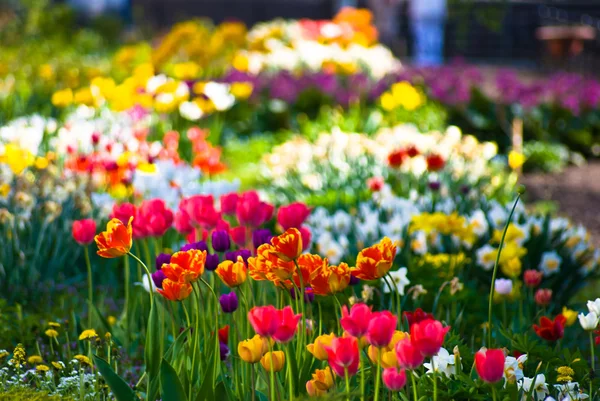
<point>381,328</point>
<point>306,237</point>
<point>490,364</point>
<point>264,320</point>
<point>428,336</point>
<point>238,235</point>
<point>251,211</point>
<point>343,355</point>
<point>229,203</point>
<point>287,325</point>
<point>155,217</point>
<point>408,355</point>
<point>201,210</point>
<point>292,215</point>
<point>394,379</point>
<point>543,296</point>
<point>375,184</point>
<point>356,323</point>
<point>84,231</point>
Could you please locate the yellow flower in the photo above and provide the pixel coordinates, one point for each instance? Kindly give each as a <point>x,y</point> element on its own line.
<point>54,325</point>
<point>34,360</point>
<point>512,268</point>
<point>46,72</point>
<point>388,103</point>
<point>322,379</point>
<point>18,356</point>
<point>88,334</point>
<point>4,190</point>
<point>240,62</point>
<point>277,358</point>
<point>18,159</point>
<point>3,354</point>
<point>41,163</point>
<point>188,70</point>
<point>84,96</point>
<point>42,368</point>
<point>565,374</point>
<point>51,333</point>
<point>112,320</point>
<point>62,98</point>
<point>388,353</point>
<point>84,360</point>
<point>570,315</point>
<point>241,90</point>
<point>317,348</point>
<point>252,350</point>
<point>516,159</point>
<point>58,365</point>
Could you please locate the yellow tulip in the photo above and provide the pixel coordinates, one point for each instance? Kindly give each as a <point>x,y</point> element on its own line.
<point>317,348</point>
<point>277,358</point>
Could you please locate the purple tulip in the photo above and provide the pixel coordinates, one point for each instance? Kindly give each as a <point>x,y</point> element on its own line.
<point>158,277</point>
<point>212,261</point>
<point>309,295</point>
<point>200,246</point>
<point>354,280</point>
<point>261,236</point>
<point>229,302</point>
<point>224,351</point>
<point>434,186</point>
<point>220,240</point>
<point>162,259</point>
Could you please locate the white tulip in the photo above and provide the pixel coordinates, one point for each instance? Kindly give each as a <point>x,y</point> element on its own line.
<point>594,306</point>
<point>589,321</point>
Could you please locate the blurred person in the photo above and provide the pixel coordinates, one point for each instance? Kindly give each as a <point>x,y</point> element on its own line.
<point>427,20</point>
<point>387,20</point>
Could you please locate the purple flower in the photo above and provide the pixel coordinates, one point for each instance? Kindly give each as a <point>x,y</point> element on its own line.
<point>231,255</point>
<point>212,261</point>
<point>309,294</point>
<point>158,277</point>
<point>245,254</point>
<point>162,259</point>
<point>354,280</point>
<point>200,246</point>
<point>224,351</point>
<point>434,186</point>
<point>220,240</point>
<point>229,302</point>
<point>261,236</point>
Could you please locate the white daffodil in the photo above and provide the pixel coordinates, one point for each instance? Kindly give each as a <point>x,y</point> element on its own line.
<point>513,368</point>
<point>538,384</point>
<point>486,256</point>
<point>444,363</point>
<point>399,281</point>
<point>550,263</point>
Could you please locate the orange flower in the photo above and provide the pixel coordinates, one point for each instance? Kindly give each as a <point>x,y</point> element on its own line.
<point>308,264</point>
<point>175,290</point>
<point>374,262</point>
<point>192,261</point>
<point>232,274</point>
<point>267,266</point>
<point>330,279</point>
<point>388,353</point>
<point>287,246</point>
<point>116,240</point>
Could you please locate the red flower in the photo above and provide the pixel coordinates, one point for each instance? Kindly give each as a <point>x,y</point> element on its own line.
<point>417,316</point>
<point>375,184</point>
<point>543,296</point>
<point>381,328</point>
<point>182,222</point>
<point>597,339</point>
<point>408,355</point>
<point>306,237</point>
<point>397,157</point>
<point>238,235</point>
<point>292,215</point>
<point>490,364</point>
<point>412,151</point>
<point>251,211</point>
<point>124,212</point>
<point>84,231</point>
<point>356,323</point>
<point>156,217</point>
<point>287,325</point>
<point>551,330</point>
<point>428,336</point>
<point>224,334</point>
<point>532,278</point>
<point>343,355</point>
<point>229,203</point>
<point>394,379</point>
<point>264,320</point>
<point>435,162</point>
<point>201,210</point>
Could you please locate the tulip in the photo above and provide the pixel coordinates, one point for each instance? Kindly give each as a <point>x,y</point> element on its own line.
<point>594,306</point>
<point>252,350</point>
<point>84,231</point>
<point>238,235</point>
<point>532,278</point>
<point>229,203</point>
<point>200,246</point>
<point>306,236</point>
<point>175,290</point>
<point>212,262</point>
<point>396,158</point>
<point>330,279</point>
<point>287,246</point>
<point>435,162</point>
<point>417,316</point>
<point>261,236</point>
<point>589,321</point>
<point>323,379</point>
<point>201,210</point>
<point>375,184</point>
<point>158,277</point>
<point>543,296</point>
<point>394,379</point>
<point>319,347</point>
<point>223,351</point>
<point>276,358</point>
<point>292,215</point>
<point>116,241</point>
<point>489,364</point>
<point>185,266</point>
<point>161,259</point>
<point>264,320</point>
<point>551,330</point>
<point>223,333</point>
<point>381,328</point>
<point>408,355</point>
<point>374,262</point>
<point>251,211</point>
<point>503,286</point>
<point>155,217</point>
<point>428,336</point>
<point>232,274</point>
<point>387,355</point>
<point>229,302</point>
<point>356,323</point>
<point>344,356</point>
<point>287,324</point>
<point>220,240</point>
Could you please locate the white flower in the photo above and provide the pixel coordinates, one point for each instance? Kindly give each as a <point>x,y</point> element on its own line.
<point>399,280</point>
<point>594,306</point>
<point>589,321</point>
<point>550,263</point>
<point>486,256</point>
<point>570,391</point>
<point>147,283</point>
<point>444,363</point>
<point>538,383</point>
<point>479,223</point>
<point>219,94</point>
<point>190,111</point>
<point>503,286</point>
<point>513,368</point>
<point>419,243</point>
<point>367,293</point>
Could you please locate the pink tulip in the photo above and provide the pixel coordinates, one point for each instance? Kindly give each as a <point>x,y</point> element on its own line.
<point>264,320</point>
<point>428,336</point>
<point>409,356</point>
<point>381,328</point>
<point>287,325</point>
<point>344,355</point>
<point>292,215</point>
<point>229,203</point>
<point>489,364</point>
<point>394,379</point>
<point>356,323</point>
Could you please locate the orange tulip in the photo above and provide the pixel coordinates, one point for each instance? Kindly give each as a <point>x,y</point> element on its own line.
<point>116,240</point>
<point>175,290</point>
<point>287,246</point>
<point>233,274</point>
<point>374,262</point>
<point>185,266</point>
<point>267,266</point>
<point>330,279</point>
<point>308,264</point>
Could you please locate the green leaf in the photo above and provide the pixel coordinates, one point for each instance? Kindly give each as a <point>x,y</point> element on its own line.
<point>170,386</point>
<point>118,386</point>
<point>207,389</point>
<point>153,351</point>
<point>105,325</point>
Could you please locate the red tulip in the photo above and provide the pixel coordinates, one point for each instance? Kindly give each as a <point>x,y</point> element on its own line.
<point>375,184</point>
<point>229,203</point>
<point>306,237</point>
<point>343,354</point>
<point>292,215</point>
<point>251,211</point>
<point>408,355</point>
<point>381,328</point>
<point>156,217</point>
<point>532,278</point>
<point>264,320</point>
<point>356,323</point>
<point>124,212</point>
<point>287,325</point>
<point>543,296</point>
<point>490,364</point>
<point>238,235</point>
<point>394,379</point>
<point>201,210</point>
<point>397,157</point>
<point>435,162</point>
<point>412,151</point>
<point>428,336</point>
<point>224,334</point>
<point>84,231</point>
<point>551,330</point>
<point>417,316</point>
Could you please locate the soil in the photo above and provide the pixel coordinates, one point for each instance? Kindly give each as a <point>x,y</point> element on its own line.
<point>576,191</point>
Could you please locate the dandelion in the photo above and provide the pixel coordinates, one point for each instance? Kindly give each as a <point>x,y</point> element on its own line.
<point>54,325</point>
<point>565,374</point>
<point>84,360</point>
<point>35,359</point>
<point>58,365</point>
<point>51,333</point>
<point>88,334</point>
<point>42,368</point>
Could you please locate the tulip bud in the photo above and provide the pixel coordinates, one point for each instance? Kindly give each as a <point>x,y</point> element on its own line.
<point>318,347</point>
<point>394,379</point>
<point>229,302</point>
<point>543,296</point>
<point>532,278</point>
<point>161,259</point>
<point>212,261</point>
<point>251,350</point>
<point>220,240</point>
<point>277,358</point>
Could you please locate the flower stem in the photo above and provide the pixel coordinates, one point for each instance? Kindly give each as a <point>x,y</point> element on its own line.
<point>253,382</point>
<point>592,373</point>
<point>347,383</point>
<point>435,391</point>
<point>493,392</point>
<point>414,386</point>
<point>272,372</point>
<point>378,378</point>
<point>495,271</point>
<point>88,264</point>
<point>148,273</point>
